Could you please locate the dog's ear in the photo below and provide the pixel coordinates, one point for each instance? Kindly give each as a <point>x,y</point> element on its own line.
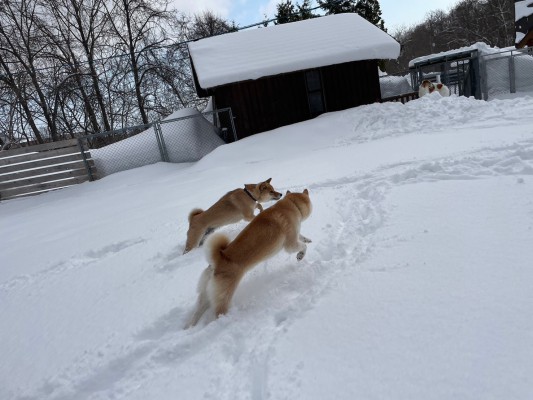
<point>306,192</point>
<point>288,191</point>
<point>268,180</point>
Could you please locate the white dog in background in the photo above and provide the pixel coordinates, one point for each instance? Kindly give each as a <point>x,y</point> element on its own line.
<point>429,87</point>
<point>425,88</point>
<point>442,89</point>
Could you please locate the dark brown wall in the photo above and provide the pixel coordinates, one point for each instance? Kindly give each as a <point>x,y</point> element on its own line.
<point>264,104</point>
<point>351,84</point>
<point>268,103</point>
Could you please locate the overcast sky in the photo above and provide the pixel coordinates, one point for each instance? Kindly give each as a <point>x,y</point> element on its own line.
<point>245,12</point>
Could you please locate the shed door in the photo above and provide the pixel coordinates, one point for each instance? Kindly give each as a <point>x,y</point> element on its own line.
<point>315,97</point>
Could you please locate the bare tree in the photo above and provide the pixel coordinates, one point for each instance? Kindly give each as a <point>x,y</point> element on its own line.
<point>11,123</point>
<point>21,60</point>
<point>500,22</point>
<point>82,66</point>
<point>78,31</point>
<point>468,22</point>
<point>139,27</point>
<point>209,24</point>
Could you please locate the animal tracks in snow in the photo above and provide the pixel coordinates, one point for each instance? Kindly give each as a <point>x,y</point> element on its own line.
<point>241,345</point>
<point>268,301</point>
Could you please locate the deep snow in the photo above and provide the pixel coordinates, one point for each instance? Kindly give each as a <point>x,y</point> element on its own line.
<point>417,284</point>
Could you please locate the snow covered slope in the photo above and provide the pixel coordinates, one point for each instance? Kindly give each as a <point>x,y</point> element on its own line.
<point>417,284</point>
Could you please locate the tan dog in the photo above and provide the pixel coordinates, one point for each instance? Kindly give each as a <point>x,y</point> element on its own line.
<point>274,229</point>
<point>231,208</point>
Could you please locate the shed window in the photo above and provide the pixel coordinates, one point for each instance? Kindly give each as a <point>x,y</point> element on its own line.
<point>314,92</point>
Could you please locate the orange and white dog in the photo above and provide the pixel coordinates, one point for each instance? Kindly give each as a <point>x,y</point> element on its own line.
<point>231,208</point>
<point>429,87</point>
<point>274,229</point>
<point>425,88</point>
<point>443,90</point>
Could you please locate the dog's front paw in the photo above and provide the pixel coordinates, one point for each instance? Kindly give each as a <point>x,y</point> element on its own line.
<point>300,255</point>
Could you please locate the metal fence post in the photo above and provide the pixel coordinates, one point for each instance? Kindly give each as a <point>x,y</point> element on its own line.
<point>232,124</point>
<point>84,156</point>
<point>160,141</point>
<point>165,148</point>
<point>484,78</point>
<point>475,77</point>
<point>512,75</point>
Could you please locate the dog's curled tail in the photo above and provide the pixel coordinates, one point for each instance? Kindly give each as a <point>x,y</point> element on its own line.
<point>194,213</point>
<point>214,246</point>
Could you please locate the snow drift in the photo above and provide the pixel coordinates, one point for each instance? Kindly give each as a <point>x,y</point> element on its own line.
<point>187,137</point>
<point>417,284</point>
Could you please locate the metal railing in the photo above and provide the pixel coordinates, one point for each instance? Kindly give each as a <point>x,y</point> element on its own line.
<point>396,85</point>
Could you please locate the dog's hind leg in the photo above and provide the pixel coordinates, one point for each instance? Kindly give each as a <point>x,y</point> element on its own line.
<point>222,291</point>
<point>195,231</point>
<point>194,234</point>
<point>202,304</point>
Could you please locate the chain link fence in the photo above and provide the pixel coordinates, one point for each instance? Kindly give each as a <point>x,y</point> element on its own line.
<point>396,85</point>
<point>507,73</point>
<point>185,136</point>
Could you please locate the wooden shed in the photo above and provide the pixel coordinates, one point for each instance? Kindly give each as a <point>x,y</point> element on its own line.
<point>279,75</point>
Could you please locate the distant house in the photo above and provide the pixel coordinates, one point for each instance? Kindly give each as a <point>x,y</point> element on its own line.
<point>523,23</point>
<point>279,75</point>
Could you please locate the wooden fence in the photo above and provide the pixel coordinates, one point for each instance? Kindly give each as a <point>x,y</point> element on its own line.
<point>403,98</point>
<point>37,169</point>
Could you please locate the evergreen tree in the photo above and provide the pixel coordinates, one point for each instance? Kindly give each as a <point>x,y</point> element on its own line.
<point>371,11</point>
<point>368,9</point>
<point>286,13</point>
<point>305,10</point>
<point>289,12</point>
<point>337,6</point>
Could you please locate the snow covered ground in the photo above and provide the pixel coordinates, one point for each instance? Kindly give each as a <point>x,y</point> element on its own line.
<point>418,283</point>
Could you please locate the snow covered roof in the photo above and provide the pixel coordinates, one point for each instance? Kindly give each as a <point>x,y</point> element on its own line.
<point>482,48</point>
<point>317,42</point>
<point>523,8</point>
